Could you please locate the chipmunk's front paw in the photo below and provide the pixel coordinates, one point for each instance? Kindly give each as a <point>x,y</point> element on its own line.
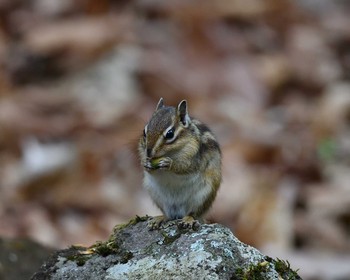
<point>158,163</point>
<point>165,163</point>
<point>156,222</point>
<point>189,222</point>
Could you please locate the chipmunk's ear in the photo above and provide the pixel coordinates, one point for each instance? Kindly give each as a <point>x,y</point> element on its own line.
<point>182,113</point>
<point>160,104</point>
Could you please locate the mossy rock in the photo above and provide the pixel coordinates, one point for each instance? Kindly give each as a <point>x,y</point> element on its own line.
<point>135,252</point>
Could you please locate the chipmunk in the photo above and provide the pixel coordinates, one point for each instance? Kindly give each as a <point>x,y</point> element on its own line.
<point>182,164</point>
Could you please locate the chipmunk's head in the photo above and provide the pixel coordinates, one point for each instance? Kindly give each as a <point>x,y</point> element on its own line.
<point>167,132</point>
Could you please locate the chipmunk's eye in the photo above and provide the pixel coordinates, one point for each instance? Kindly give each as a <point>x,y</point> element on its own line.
<point>170,133</point>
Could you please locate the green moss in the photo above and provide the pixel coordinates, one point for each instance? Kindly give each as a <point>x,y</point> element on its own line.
<point>105,248</point>
<point>111,247</point>
<point>284,270</point>
<point>78,257</point>
<point>258,271</point>
<point>253,272</point>
<point>81,255</point>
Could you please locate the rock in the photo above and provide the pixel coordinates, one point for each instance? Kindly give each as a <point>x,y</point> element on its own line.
<point>172,252</point>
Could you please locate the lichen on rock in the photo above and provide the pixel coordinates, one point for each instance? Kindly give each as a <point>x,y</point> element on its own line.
<point>135,252</point>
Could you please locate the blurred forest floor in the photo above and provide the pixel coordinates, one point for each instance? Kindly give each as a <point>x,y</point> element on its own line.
<point>79,80</point>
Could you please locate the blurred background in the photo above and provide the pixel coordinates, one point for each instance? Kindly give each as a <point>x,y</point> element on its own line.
<point>79,80</point>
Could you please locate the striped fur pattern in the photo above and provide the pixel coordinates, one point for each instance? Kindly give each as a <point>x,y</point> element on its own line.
<point>182,162</point>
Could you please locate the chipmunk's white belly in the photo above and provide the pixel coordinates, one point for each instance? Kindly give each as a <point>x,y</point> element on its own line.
<point>177,195</point>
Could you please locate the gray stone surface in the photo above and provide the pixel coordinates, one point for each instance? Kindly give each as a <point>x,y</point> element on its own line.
<point>135,252</point>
